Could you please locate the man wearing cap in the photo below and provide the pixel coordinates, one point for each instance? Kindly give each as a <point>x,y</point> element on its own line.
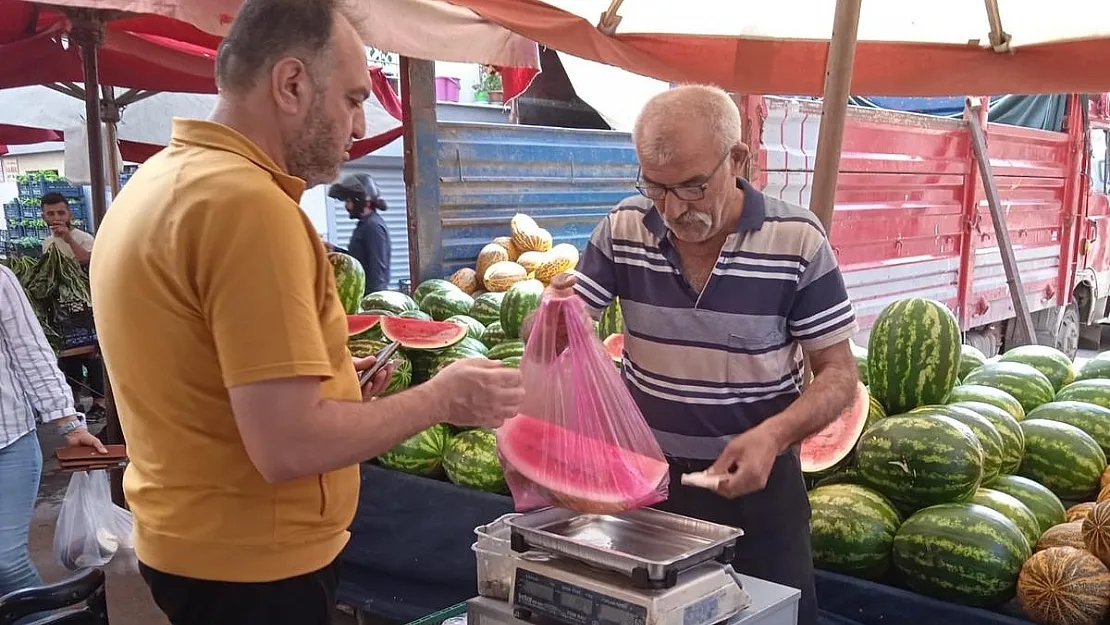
<point>370,240</point>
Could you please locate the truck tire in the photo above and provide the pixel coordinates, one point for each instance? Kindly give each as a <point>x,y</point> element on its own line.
<point>1058,330</point>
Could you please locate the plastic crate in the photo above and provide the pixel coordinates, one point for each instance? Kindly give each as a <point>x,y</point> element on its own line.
<point>12,210</point>
<point>79,211</point>
<point>77,330</point>
<point>436,618</point>
<point>63,187</point>
<point>38,233</point>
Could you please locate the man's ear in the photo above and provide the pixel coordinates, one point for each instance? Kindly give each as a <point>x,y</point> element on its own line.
<point>290,85</point>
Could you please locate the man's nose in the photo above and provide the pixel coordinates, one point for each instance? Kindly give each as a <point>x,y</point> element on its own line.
<point>358,125</point>
<point>672,206</point>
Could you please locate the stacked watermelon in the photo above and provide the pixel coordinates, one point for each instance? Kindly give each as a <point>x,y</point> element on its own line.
<point>963,463</point>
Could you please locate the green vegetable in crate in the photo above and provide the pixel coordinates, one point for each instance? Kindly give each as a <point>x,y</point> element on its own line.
<point>987,395</point>
<point>487,308</point>
<point>1090,391</point>
<point>474,328</point>
<point>471,460</point>
<point>1050,361</point>
<point>521,299</point>
<point>350,280</point>
<point>970,358</point>
<point>920,460</point>
<point>851,530</point>
<point>421,454</point>
<point>961,552</point>
<point>1062,457</point>
<point>1029,386</point>
<point>913,354</point>
<point>393,302</point>
<point>1013,439</point>
<point>1040,500</point>
<point>1091,418</point>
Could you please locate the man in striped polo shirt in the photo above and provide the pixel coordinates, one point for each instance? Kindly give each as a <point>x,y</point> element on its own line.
<point>722,290</point>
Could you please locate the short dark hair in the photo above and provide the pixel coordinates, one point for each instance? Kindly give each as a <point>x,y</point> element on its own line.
<point>265,30</point>
<point>54,198</point>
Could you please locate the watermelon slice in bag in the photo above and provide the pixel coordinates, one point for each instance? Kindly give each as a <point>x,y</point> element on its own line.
<point>419,334</point>
<point>357,324</point>
<point>578,472</point>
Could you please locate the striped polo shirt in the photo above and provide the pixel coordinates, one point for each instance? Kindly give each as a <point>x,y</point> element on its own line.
<point>706,367</point>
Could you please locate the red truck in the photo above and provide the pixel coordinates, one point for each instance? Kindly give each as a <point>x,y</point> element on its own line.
<point>911,216</point>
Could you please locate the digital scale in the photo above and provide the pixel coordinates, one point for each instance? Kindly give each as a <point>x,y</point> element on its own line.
<point>643,567</point>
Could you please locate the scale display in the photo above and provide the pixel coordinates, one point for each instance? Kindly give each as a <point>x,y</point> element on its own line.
<point>570,604</point>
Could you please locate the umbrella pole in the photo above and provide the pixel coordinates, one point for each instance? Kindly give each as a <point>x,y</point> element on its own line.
<point>109,114</point>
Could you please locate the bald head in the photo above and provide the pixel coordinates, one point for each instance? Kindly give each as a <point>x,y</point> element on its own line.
<point>686,121</point>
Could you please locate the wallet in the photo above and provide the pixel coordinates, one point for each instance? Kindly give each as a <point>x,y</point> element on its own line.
<point>87,459</point>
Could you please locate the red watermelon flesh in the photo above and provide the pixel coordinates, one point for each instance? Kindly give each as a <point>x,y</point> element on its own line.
<point>421,334</point>
<point>578,472</point>
<point>830,446</point>
<point>615,345</point>
<point>357,324</point>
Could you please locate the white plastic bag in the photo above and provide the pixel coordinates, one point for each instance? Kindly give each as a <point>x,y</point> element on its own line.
<point>91,529</point>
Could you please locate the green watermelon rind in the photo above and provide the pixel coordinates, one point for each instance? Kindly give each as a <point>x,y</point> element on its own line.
<point>913,354</point>
<point>1029,386</point>
<point>1091,418</point>
<point>1062,457</point>
<point>428,286</point>
<point>851,529</point>
<point>611,321</point>
<point>1012,508</point>
<point>988,436</point>
<point>494,335</point>
<point>920,460</point>
<point>394,302</point>
<point>506,350</point>
<point>520,301</point>
<point>487,308</point>
<point>970,358</point>
<point>402,375</point>
<point>963,553</point>
<point>474,328</point>
<point>420,454</point>
<point>1042,502</point>
<point>471,460</point>
<point>1094,391</point>
<point>1053,363</point>
<point>1013,439</point>
<point>987,395</point>
<point>444,304</point>
<point>1097,368</point>
<point>350,280</point>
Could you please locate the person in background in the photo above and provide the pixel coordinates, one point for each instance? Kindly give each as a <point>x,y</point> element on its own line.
<point>370,240</point>
<point>226,343</point>
<point>723,289</point>
<point>77,245</point>
<point>29,382</point>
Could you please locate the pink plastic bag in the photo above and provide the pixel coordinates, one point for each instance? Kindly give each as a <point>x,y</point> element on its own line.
<point>580,441</point>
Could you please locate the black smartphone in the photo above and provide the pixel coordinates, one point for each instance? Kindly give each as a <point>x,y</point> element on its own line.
<point>383,355</point>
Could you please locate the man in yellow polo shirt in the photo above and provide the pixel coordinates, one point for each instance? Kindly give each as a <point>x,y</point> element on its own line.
<point>226,342</point>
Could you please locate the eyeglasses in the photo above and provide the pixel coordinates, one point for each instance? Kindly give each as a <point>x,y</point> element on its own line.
<point>686,193</point>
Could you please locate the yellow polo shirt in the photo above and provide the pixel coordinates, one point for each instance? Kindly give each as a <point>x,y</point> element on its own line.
<point>207,275</point>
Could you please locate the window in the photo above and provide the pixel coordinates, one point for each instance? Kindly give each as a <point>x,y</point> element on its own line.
<point>1100,161</point>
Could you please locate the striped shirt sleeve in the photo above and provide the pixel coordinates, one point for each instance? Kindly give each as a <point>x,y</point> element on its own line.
<point>596,274</point>
<point>821,314</point>
<point>32,360</point>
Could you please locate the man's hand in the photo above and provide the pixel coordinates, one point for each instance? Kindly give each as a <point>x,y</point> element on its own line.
<point>62,231</point>
<point>81,437</point>
<point>480,392</point>
<point>381,379</point>
<point>561,287</point>
<point>746,463</point>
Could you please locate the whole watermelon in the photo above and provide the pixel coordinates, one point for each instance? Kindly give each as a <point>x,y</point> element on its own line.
<point>402,375</point>
<point>913,354</point>
<point>421,454</point>
<point>1062,457</point>
<point>987,395</point>
<point>508,349</point>
<point>471,460</point>
<point>350,280</point>
<point>1044,505</point>
<point>1053,363</point>
<point>394,302</point>
<point>921,460</point>
<point>474,328</point>
<point>1013,439</point>
<point>970,358</point>
<point>611,321</point>
<point>487,308</point>
<point>428,286</point>
<point>1097,368</point>
<point>1012,508</point>
<point>520,300</point>
<point>988,436</point>
<point>444,304</point>
<point>964,553</point>
<point>1096,391</point>
<point>493,335</point>
<point>1029,386</point>
<point>1091,418</point>
<point>851,530</point>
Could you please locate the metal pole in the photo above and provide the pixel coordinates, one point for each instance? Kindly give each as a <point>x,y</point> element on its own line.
<point>89,34</point>
<point>109,114</point>
<point>838,84</point>
<point>418,105</point>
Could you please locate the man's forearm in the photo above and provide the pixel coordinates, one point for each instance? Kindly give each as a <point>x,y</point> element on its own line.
<point>80,254</point>
<point>339,434</point>
<point>830,393</point>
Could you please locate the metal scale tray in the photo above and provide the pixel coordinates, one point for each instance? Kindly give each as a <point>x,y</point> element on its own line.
<point>649,546</point>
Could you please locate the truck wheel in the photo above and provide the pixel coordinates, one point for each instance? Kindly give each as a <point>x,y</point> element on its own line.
<point>1058,330</point>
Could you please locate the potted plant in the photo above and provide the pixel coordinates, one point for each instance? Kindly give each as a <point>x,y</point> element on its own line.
<point>488,88</point>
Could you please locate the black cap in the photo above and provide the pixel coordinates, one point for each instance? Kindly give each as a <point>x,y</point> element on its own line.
<point>359,188</point>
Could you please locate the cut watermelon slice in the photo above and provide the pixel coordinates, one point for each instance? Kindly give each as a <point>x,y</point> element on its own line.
<point>828,448</point>
<point>615,345</point>
<point>580,473</point>
<point>357,324</point>
<point>421,334</point>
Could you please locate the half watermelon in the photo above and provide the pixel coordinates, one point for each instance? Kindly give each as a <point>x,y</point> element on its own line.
<point>357,324</point>
<point>419,334</point>
<point>575,471</point>
<point>829,447</point>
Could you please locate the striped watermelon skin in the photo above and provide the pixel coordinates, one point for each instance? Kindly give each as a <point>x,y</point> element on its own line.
<point>444,304</point>
<point>428,286</point>
<point>474,328</point>
<point>1029,386</point>
<point>875,411</point>
<point>520,300</point>
<point>506,350</point>
<point>393,302</point>
<point>611,321</point>
<point>1062,457</point>
<point>420,454</point>
<point>851,530</point>
<point>1090,391</point>
<point>1044,504</point>
<point>970,358</point>
<point>471,460</point>
<point>350,280</point>
<point>402,375</point>
<point>964,553</point>
<point>860,354</point>
<point>1097,368</point>
<point>1053,363</point>
<point>987,395</point>
<point>1012,508</point>
<point>913,354</point>
<point>1013,439</point>
<point>487,308</point>
<point>1091,418</point>
<point>921,460</point>
<point>989,438</point>
<point>493,335</point>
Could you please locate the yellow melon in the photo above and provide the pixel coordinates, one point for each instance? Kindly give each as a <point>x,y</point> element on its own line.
<point>500,276</point>
<point>521,223</point>
<point>466,279</point>
<point>507,243</point>
<point>1079,511</point>
<point>558,261</point>
<point>538,240</point>
<point>532,260</point>
<point>490,255</point>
